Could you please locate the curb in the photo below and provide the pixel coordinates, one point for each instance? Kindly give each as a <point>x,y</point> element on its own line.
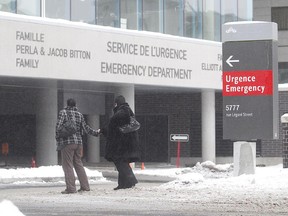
<point>113,175</point>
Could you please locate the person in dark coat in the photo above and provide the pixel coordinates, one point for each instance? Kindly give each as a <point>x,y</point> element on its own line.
<point>71,148</point>
<point>121,149</point>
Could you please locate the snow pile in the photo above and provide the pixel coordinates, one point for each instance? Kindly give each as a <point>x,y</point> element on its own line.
<point>209,175</point>
<point>190,176</point>
<point>7,208</point>
<point>41,174</point>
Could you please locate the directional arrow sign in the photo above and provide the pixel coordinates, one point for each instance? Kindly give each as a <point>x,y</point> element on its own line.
<point>229,60</point>
<point>179,137</point>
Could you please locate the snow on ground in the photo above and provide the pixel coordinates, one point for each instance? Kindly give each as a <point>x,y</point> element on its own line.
<point>7,208</point>
<point>205,184</point>
<point>41,175</point>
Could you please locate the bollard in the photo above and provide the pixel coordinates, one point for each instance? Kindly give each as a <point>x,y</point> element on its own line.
<point>5,152</point>
<point>244,158</point>
<point>142,166</point>
<point>33,162</point>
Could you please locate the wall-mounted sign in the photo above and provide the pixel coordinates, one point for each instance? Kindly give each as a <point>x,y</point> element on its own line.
<point>49,48</point>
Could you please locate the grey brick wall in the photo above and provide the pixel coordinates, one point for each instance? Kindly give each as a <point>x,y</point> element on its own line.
<point>179,108</point>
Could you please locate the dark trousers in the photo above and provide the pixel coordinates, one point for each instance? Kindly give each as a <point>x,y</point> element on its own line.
<point>71,158</point>
<point>126,177</point>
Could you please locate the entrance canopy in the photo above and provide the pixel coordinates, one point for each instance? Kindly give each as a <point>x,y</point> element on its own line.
<point>36,47</point>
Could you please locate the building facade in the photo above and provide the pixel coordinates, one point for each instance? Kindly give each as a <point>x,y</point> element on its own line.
<point>276,11</point>
<point>33,90</point>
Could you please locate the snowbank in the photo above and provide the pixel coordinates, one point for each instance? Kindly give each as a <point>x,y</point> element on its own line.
<point>7,208</point>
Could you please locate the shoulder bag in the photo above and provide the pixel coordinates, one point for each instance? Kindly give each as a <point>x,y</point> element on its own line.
<point>68,128</point>
<point>134,125</point>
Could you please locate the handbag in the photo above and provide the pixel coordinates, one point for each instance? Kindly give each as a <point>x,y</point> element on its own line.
<point>68,128</point>
<point>134,125</point>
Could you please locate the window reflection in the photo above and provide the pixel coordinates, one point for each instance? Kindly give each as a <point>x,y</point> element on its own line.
<point>211,20</point>
<point>245,10</point>
<point>128,14</point>
<point>31,7</point>
<point>108,13</point>
<point>152,14</point>
<point>83,11</point>
<point>228,11</point>
<point>173,21</point>
<point>8,6</point>
<point>193,18</point>
<point>57,9</point>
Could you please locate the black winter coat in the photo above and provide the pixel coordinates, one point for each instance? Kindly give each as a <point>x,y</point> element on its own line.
<point>119,146</point>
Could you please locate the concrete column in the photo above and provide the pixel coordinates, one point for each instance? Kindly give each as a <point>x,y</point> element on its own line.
<point>46,118</point>
<point>208,126</point>
<point>93,145</point>
<point>129,94</point>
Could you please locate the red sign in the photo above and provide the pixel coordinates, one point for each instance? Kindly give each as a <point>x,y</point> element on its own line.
<point>248,83</point>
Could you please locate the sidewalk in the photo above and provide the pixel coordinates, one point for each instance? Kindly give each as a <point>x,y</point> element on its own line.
<point>109,171</point>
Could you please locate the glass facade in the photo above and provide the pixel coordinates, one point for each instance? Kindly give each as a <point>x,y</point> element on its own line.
<point>211,20</point>
<point>245,10</point>
<point>173,17</point>
<point>228,11</point>
<point>83,11</point>
<point>129,13</point>
<point>107,13</point>
<point>201,19</point>
<point>193,18</point>
<point>31,7</point>
<point>152,18</point>
<point>57,9</point>
<point>8,6</point>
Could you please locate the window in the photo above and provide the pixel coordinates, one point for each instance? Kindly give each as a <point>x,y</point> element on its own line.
<point>8,6</point>
<point>108,13</point>
<point>83,11</point>
<point>173,21</point>
<point>128,14</point>
<point>245,10</point>
<point>283,72</point>
<point>57,9</point>
<point>152,15</point>
<point>193,18</point>
<point>228,11</point>
<point>31,7</point>
<point>211,20</point>
<point>280,16</point>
